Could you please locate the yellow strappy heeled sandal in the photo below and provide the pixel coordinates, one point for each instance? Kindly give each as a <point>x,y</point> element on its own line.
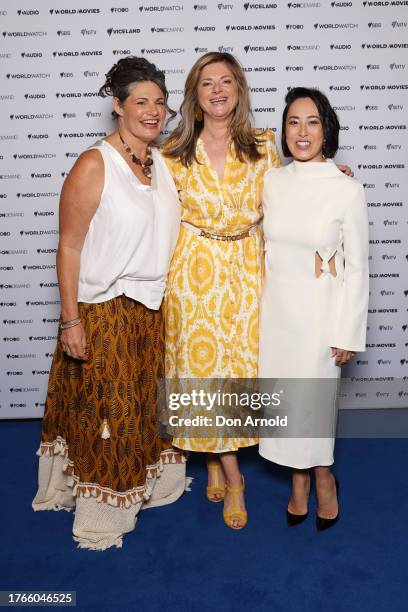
<point>216,488</point>
<point>235,513</point>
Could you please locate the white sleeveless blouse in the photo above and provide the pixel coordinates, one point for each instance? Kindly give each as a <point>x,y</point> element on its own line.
<point>132,235</point>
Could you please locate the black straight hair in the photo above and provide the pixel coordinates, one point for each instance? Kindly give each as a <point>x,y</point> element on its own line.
<point>327,114</point>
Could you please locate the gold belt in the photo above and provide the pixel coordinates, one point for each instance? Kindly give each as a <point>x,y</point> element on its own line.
<point>204,234</point>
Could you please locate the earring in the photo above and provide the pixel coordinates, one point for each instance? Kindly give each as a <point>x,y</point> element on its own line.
<point>198,114</point>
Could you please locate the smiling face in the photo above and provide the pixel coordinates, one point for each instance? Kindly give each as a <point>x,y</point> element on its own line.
<point>217,91</point>
<point>143,112</point>
<point>304,131</point>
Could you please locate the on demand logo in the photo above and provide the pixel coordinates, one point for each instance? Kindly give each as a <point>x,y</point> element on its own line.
<point>172,29</point>
<point>304,4</point>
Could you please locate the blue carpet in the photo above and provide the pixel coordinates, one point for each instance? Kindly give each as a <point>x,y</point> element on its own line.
<point>182,557</point>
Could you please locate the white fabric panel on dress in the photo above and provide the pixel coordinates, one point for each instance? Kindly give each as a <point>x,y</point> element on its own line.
<point>309,208</point>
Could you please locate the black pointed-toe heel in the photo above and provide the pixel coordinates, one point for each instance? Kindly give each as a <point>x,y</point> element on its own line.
<point>325,523</point>
<point>295,519</point>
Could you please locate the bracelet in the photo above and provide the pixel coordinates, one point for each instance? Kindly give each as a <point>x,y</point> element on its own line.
<point>69,324</point>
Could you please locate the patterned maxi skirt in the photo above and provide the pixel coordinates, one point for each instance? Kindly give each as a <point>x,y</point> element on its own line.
<point>100,451</point>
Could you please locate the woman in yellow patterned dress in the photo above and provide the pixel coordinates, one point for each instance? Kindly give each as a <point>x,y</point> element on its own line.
<point>218,162</point>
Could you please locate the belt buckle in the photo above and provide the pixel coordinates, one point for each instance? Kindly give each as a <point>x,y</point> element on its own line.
<point>233,238</point>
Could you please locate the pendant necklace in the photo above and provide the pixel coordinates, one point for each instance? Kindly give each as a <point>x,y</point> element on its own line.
<point>145,166</point>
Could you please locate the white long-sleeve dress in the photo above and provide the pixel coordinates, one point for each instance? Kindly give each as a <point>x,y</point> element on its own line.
<point>309,208</point>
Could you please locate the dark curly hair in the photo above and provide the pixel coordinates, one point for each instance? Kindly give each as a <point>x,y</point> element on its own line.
<point>129,70</point>
<point>327,114</point>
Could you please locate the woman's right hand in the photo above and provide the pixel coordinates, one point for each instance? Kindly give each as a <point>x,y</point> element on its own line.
<point>73,342</point>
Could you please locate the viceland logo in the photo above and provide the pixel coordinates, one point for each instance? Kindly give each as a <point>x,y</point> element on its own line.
<point>259,5</point>
<point>111,31</point>
<point>252,48</point>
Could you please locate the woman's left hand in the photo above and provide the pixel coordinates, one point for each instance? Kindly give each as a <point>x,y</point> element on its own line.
<point>342,356</point>
<point>345,169</point>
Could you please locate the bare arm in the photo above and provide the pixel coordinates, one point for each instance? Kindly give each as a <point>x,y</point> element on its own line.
<point>80,198</point>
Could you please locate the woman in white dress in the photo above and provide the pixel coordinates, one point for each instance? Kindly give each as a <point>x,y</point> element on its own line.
<point>315,296</point>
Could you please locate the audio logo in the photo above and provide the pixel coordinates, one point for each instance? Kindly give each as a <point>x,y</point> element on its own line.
<point>25,54</point>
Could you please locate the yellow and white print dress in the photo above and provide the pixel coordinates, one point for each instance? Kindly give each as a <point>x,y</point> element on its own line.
<point>211,305</point>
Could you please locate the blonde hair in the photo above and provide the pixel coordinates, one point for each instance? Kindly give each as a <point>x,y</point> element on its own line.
<point>181,144</point>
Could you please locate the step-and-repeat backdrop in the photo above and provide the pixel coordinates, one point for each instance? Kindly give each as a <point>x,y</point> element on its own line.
<point>53,61</point>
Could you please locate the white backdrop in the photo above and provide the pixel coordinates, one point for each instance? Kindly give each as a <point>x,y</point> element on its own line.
<point>53,61</point>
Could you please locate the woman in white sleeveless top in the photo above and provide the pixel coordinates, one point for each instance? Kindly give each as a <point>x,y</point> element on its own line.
<point>315,296</point>
<point>119,222</point>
